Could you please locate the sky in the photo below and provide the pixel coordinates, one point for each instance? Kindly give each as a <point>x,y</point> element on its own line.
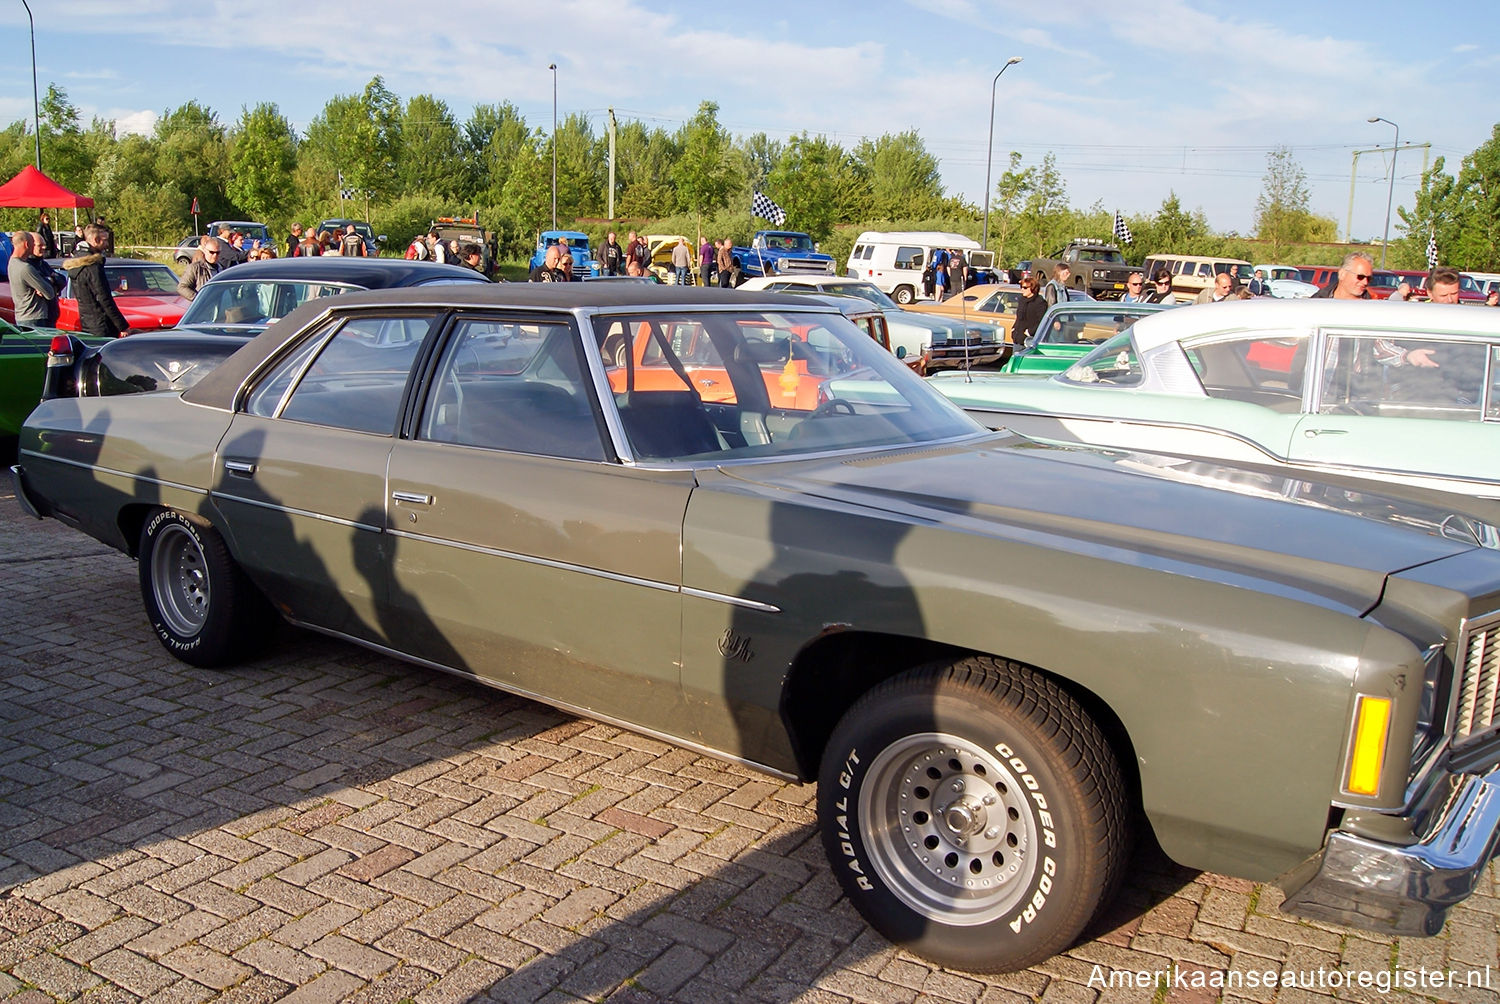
<point>1136,101</point>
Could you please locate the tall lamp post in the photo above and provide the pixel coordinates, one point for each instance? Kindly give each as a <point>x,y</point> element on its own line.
<point>1391,189</point>
<point>989,156</point>
<point>553,68</point>
<point>36,105</point>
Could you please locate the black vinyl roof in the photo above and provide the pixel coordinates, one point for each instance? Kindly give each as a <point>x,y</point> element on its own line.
<point>370,273</point>
<point>218,388</point>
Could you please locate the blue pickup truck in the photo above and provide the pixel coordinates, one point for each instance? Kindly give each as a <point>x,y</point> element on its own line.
<point>578,245</point>
<point>782,252</point>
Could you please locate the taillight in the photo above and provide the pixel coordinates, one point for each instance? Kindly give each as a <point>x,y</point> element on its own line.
<point>60,352</point>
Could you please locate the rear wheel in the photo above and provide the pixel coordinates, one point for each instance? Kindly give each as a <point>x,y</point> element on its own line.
<point>201,606</point>
<point>904,295</point>
<point>974,814</point>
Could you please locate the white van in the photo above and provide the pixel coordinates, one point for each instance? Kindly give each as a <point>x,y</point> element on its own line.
<point>894,260</point>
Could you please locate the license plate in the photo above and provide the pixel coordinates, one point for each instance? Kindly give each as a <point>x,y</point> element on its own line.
<point>1119,285</point>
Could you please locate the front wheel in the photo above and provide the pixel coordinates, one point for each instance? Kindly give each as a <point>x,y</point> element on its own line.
<point>904,295</point>
<point>201,606</point>
<point>974,814</point>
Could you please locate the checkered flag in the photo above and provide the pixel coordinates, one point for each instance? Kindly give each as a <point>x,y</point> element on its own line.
<point>1432,257</point>
<point>345,192</point>
<point>1122,231</point>
<point>764,208</point>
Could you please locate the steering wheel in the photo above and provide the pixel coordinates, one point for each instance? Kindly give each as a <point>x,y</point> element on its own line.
<point>833,406</point>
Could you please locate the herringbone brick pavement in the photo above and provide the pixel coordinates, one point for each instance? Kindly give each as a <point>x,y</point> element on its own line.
<point>327,824</point>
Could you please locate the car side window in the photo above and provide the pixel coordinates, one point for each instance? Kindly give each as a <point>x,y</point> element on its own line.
<point>1261,367</point>
<point>908,257</point>
<point>513,385</point>
<point>1405,376</point>
<point>358,378</point>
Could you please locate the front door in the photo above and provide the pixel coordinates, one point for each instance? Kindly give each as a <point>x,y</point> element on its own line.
<point>522,550</point>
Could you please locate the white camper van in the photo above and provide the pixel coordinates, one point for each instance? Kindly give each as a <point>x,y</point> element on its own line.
<point>894,260</point>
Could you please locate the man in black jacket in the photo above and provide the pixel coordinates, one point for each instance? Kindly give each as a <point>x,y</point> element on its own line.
<point>98,314</point>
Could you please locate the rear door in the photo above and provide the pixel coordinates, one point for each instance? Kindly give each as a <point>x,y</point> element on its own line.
<point>301,471</point>
<point>1406,408</point>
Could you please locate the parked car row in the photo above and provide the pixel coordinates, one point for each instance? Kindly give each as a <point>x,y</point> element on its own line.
<point>758,534</point>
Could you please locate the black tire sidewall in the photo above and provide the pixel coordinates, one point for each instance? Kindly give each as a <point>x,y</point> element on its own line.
<point>910,294</point>
<point>210,646</point>
<point>1057,902</point>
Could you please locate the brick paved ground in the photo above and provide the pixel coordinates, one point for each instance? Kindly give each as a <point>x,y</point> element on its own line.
<point>331,825</point>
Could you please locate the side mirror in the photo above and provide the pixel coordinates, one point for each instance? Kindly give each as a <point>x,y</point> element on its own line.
<point>380,239</point>
<point>901,352</point>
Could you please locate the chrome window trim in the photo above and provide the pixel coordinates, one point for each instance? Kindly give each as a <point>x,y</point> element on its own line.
<point>568,566</point>
<point>305,513</point>
<point>98,469</point>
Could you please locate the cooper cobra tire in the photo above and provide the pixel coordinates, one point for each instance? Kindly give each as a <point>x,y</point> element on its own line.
<point>904,295</point>
<point>201,606</point>
<point>974,814</point>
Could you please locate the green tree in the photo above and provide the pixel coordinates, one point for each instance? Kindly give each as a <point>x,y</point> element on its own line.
<point>705,171</point>
<point>356,138</point>
<point>526,200</point>
<point>1281,210</point>
<point>1042,209</point>
<point>1463,213</point>
<point>809,182</point>
<point>432,150</point>
<point>904,179</point>
<point>192,157</point>
<point>1009,195</point>
<point>494,136</point>
<point>759,155</point>
<point>580,169</point>
<point>66,156</point>
<point>263,155</point>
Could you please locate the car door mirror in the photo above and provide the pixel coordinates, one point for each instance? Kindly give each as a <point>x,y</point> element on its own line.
<point>901,352</point>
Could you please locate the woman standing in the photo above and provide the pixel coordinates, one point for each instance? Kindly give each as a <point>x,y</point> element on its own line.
<point>1028,313</point>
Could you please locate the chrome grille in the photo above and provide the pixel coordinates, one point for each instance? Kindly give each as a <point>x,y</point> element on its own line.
<point>1478,697</point>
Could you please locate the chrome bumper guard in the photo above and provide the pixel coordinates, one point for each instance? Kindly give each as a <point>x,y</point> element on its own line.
<point>18,478</point>
<point>1408,890</point>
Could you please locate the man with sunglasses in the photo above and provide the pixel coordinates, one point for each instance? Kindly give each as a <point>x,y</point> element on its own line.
<point>205,265</point>
<point>1353,282</point>
<point>1134,288</point>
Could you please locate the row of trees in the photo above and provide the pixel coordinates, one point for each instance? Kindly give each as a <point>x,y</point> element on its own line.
<point>409,161</point>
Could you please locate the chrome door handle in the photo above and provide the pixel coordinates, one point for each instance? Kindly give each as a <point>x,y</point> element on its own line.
<point>415,498</point>
<point>1314,433</point>
<point>240,467</point>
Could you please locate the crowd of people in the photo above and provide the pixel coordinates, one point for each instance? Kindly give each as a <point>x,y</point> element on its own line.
<point>36,286</point>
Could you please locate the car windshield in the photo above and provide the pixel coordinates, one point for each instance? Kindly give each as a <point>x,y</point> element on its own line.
<point>724,385</point>
<point>1385,280</point>
<point>1467,284</point>
<point>789,242</point>
<point>1101,254</point>
<point>140,280</point>
<point>864,291</point>
<point>253,304</point>
<point>252,231</point>
<point>1074,327</point>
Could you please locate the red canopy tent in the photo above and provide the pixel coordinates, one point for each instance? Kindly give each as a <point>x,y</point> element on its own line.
<point>31,189</point>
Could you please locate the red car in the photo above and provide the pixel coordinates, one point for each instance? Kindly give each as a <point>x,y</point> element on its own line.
<point>145,291</point>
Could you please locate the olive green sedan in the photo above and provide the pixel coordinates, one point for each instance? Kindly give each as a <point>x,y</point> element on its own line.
<point>993,656</point>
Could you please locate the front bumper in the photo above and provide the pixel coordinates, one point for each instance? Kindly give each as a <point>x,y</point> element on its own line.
<point>1364,883</point>
<point>955,355</point>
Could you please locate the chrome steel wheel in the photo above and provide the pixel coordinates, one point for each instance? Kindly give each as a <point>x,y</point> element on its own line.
<point>180,581</point>
<point>949,829</point>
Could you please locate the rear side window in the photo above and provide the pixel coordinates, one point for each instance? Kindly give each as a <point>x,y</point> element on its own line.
<point>359,377</point>
<point>908,257</point>
<point>1405,377</point>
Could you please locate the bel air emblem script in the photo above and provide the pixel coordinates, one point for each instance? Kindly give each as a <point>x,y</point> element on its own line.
<point>735,647</point>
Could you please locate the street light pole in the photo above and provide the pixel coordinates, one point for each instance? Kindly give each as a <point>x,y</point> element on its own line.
<point>1390,189</point>
<point>990,150</point>
<point>36,105</point>
<point>553,68</point>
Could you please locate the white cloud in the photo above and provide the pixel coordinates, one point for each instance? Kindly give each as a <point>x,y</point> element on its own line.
<point>137,123</point>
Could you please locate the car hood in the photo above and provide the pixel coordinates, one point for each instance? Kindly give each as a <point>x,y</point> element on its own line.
<point>1328,542</point>
<point>152,310</point>
<point>938,326</point>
